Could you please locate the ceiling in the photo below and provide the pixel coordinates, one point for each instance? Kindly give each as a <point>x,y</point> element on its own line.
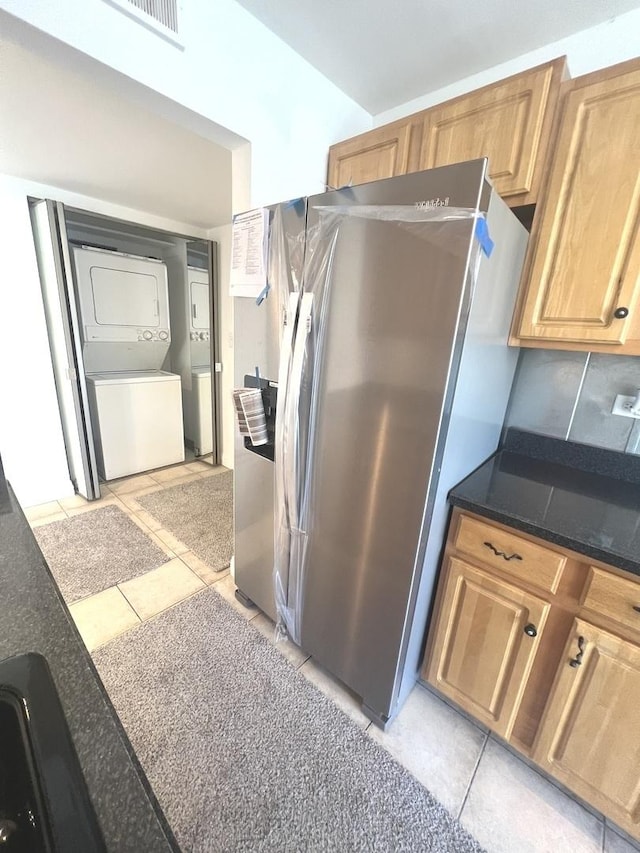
<point>76,132</point>
<point>384,54</point>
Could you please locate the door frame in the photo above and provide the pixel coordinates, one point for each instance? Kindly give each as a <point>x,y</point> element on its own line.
<point>61,313</point>
<point>83,418</point>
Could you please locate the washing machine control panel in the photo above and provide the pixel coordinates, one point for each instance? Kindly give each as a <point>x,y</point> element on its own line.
<point>153,335</point>
<point>199,336</point>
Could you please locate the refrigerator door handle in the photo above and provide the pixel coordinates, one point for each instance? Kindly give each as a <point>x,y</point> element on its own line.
<point>291,457</point>
<point>286,349</point>
<point>289,552</point>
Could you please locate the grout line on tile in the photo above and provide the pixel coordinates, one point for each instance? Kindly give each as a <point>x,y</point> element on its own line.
<point>138,521</point>
<point>536,768</point>
<point>176,603</point>
<point>160,612</point>
<point>90,595</point>
<point>47,519</point>
<point>578,393</point>
<point>191,571</point>
<point>620,833</point>
<point>123,594</point>
<point>473,775</point>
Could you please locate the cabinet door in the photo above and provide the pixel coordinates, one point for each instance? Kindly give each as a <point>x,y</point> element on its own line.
<point>585,268</point>
<point>199,305</point>
<point>381,153</point>
<point>483,649</point>
<point>508,122</point>
<point>590,737</point>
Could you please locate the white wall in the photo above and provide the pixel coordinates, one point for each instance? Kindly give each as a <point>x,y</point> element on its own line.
<point>233,71</point>
<point>102,143</point>
<point>31,442</point>
<point>606,44</point>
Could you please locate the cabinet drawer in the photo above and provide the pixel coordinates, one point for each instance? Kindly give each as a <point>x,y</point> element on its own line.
<point>613,596</point>
<point>509,553</point>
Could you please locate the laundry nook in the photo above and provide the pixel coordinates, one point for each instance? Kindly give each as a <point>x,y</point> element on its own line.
<point>133,309</point>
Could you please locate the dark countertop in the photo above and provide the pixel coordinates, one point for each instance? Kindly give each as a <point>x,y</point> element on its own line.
<point>564,493</point>
<point>34,618</point>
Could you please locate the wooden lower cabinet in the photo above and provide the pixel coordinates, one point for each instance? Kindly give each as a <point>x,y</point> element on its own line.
<point>485,644</point>
<point>544,651</point>
<point>590,737</point>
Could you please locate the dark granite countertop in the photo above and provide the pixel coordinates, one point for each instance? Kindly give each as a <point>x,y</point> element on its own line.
<point>34,618</point>
<point>562,492</point>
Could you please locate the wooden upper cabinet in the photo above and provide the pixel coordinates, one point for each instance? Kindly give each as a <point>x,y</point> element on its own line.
<point>485,643</point>
<point>380,153</point>
<point>590,737</point>
<point>509,122</point>
<point>583,273</point>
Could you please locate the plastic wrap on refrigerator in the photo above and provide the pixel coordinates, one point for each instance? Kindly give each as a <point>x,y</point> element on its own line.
<point>302,354</point>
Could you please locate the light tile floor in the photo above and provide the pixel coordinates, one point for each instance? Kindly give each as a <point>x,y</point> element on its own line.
<point>101,617</point>
<point>503,801</point>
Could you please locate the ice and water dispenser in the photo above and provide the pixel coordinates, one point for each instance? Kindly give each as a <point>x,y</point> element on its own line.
<point>256,406</point>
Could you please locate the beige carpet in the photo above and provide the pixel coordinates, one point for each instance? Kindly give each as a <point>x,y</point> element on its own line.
<point>200,514</point>
<point>244,754</point>
<point>95,550</point>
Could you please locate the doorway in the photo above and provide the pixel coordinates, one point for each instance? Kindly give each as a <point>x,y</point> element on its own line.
<point>132,320</point>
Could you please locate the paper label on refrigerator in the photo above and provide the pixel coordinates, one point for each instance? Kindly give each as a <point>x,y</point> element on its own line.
<point>249,253</point>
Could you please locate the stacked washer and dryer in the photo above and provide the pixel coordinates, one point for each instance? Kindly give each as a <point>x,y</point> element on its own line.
<point>136,407</point>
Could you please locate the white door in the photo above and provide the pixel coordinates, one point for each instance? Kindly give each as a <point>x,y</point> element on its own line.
<point>47,218</point>
<point>199,305</point>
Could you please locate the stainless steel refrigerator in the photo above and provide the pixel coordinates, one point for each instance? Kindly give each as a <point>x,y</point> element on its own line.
<point>381,352</point>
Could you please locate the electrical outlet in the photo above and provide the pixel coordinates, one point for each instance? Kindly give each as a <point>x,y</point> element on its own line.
<point>623,406</point>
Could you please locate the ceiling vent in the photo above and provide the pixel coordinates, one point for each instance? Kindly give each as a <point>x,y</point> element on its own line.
<point>161,16</point>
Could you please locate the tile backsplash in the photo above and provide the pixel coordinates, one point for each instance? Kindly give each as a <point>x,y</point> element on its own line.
<point>570,395</point>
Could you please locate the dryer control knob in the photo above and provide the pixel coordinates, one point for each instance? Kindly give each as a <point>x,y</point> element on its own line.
<point>147,335</point>
<point>194,336</point>
<point>163,335</point>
